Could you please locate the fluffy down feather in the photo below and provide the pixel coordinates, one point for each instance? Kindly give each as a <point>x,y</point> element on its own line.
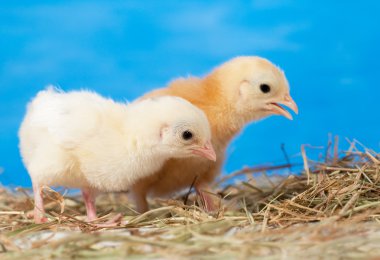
<point>240,91</point>
<point>81,140</point>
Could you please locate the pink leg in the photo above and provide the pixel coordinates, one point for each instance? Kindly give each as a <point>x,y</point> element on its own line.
<point>89,201</point>
<point>207,198</point>
<point>39,210</point>
<point>140,201</point>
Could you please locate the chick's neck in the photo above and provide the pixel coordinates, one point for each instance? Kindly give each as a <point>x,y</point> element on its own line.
<point>224,120</point>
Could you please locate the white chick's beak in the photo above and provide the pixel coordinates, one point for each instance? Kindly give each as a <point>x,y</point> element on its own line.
<point>275,107</point>
<point>206,151</point>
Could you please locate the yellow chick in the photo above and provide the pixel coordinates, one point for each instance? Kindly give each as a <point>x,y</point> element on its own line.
<point>240,91</point>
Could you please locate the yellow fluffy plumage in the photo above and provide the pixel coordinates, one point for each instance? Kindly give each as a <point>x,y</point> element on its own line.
<point>240,91</point>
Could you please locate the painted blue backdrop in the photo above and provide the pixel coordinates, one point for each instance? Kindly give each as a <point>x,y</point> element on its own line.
<point>328,49</point>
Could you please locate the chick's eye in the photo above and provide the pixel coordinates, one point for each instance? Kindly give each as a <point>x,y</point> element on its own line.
<point>265,88</point>
<point>187,135</point>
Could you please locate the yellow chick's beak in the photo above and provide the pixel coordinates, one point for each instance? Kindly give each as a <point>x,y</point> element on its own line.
<point>206,151</point>
<point>275,107</point>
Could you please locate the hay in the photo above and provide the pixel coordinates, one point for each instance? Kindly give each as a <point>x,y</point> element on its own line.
<point>332,208</point>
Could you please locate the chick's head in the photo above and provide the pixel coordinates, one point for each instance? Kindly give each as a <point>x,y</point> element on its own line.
<point>187,139</point>
<point>182,128</point>
<point>256,87</point>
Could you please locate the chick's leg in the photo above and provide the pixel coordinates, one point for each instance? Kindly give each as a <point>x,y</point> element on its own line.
<point>39,210</point>
<point>208,199</point>
<point>139,198</point>
<point>89,200</point>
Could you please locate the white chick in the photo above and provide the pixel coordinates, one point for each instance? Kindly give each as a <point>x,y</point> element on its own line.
<point>81,140</point>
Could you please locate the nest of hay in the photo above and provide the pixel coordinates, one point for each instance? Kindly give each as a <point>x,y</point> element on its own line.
<point>332,207</point>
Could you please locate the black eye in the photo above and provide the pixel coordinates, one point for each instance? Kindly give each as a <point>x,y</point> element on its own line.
<point>187,135</point>
<point>265,88</point>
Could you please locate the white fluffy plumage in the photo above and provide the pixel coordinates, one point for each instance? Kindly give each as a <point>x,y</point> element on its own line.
<point>81,140</point>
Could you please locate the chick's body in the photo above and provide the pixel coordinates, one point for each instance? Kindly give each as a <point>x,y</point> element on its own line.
<point>82,140</point>
<point>231,97</point>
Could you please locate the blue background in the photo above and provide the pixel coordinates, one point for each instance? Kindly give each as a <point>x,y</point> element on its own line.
<point>328,49</point>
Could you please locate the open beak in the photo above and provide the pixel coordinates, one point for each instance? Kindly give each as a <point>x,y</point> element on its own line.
<point>276,108</point>
<point>206,151</point>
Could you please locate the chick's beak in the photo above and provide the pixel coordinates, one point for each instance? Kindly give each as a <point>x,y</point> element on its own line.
<point>275,107</point>
<point>206,151</point>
